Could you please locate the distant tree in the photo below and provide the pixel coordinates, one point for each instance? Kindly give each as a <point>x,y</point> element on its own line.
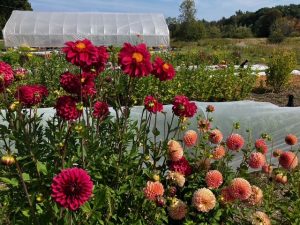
<point>6,8</point>
<point>187,11</point>
<point>262,26</point>
<point>174,26</point>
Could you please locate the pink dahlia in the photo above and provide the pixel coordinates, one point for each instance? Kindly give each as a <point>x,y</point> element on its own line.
<point>277,153</point>
<point>256,196</point>
<point>71,188</point>
<point>280,178</point>
<point>80,53</point>
<point>213,179</point>
<point>153,190</point>
<point>204,200</point>
<point>240,189</point>
<point>215,136</point>
<point>66,108</point>
<point>261,146</point>
<point>162,70</point>
<point>175,151</point>
<point>256,160</point>
<point>204,125</point>
<point>291,139</point>
<point>181,166</point>
<point>101,110</point>
<point>288,160</point>
<point>235,142</point>
<point>210,108</point>
<point>135,60</point>
<point>152,105</point>
<point>6,75</point>
<point>177,209</point>
<point>260,218</point>
<point>190,138</point>
<point>31,95</point>
<point>226,196</point>
<point>219,152</point>
<point>182,107</point>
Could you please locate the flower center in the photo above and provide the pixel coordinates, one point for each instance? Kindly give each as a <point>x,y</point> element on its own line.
<point>138,57</point>
<point>166,67</point>
<point>80,46</point>
<point>73,189</point>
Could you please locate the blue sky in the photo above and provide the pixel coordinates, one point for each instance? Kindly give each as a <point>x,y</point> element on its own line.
<point>207,9</point>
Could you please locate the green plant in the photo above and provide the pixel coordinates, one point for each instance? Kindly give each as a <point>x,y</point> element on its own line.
<point>281,64</point>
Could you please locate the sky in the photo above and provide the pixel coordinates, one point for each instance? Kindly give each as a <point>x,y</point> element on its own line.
<point>206,9</point>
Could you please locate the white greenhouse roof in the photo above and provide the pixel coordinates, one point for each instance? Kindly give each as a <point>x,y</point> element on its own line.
<point>53,29</point>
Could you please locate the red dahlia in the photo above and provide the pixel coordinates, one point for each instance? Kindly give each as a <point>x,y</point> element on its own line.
<point>66,108</point>
<point>6,75</point>
<point>181,166</point>
<point>152,105</point>
<point>101,110</point>
<point>31,95</point>
<point>70,82</point>
<point>261,146</point>
<point>135,60</point>
<point>81,53</point>
<point>87,85</point>
<point>71,188</point>
<point>182,107</point>
<point>101,60</point>
<point>162,70</point>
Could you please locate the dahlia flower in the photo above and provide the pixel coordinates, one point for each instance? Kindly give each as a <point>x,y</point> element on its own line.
<point>80,53</point>
<point>152,105</point>
<point>66,108</point>
<point>182,107</point>
<point>256,160</point>
<point>101,110</point>
<point>70,83</point>
<point>162,70</point>
<point>280,178</point>
<point>102,57</point>
<point>261,146</point>
<point>219,152</point>
<point>204,200</point>
<point>20,73</point>
<point>260,218</point>
<point>153,190</point>
<point>71,188</point>
<point>291,139</point>
<point>181,166</point>
<point>6,75</point>
<point>135,60</point>
<point>235,142</point>
<point>215,136</point>
<point>204,125</point>
<point>210,108</point>
<point>277,153</point>
<point>240,189</point>
<point>190,138</point>
<point>226,196</point>
<point>177,210</point>
<point>213,179</point>
<point>175,151</point>
<point>267,169</point>
<point>177,178</point>
<point>31,95</point>
<point>256,196</point>
<point>288,160</point>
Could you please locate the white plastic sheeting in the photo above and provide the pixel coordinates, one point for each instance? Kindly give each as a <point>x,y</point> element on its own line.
<point>53,29</point>
<point>259,117</point>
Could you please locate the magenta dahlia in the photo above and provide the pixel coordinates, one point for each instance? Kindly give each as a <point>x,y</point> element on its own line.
<point>71,188</point>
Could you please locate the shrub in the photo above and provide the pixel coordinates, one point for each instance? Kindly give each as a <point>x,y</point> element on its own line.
<point>281,64</point>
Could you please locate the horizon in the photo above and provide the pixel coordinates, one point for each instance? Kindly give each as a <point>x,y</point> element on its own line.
<point>204,8</point>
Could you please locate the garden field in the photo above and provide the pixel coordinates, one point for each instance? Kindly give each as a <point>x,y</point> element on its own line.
<point>104,136</point>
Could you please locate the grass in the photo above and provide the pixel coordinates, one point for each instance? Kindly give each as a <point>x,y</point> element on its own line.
<point>256,50</point>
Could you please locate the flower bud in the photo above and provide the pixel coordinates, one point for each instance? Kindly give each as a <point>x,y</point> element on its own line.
<point>8,160</point>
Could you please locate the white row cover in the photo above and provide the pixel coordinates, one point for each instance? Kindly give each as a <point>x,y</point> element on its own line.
<point>53,29</point>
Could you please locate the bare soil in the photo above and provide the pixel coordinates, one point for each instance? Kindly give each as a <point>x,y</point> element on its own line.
<point>263,94</point>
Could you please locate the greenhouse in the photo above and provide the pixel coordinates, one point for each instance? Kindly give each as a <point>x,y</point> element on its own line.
<point>53,29</point>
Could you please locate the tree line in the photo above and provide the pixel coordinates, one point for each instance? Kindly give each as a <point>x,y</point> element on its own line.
<point>275,23</point>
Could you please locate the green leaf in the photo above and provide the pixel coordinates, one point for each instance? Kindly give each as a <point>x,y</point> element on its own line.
<point>14,182</point>
<point>41,167</point>
<point>26,177</point>
<point>26,212</point>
